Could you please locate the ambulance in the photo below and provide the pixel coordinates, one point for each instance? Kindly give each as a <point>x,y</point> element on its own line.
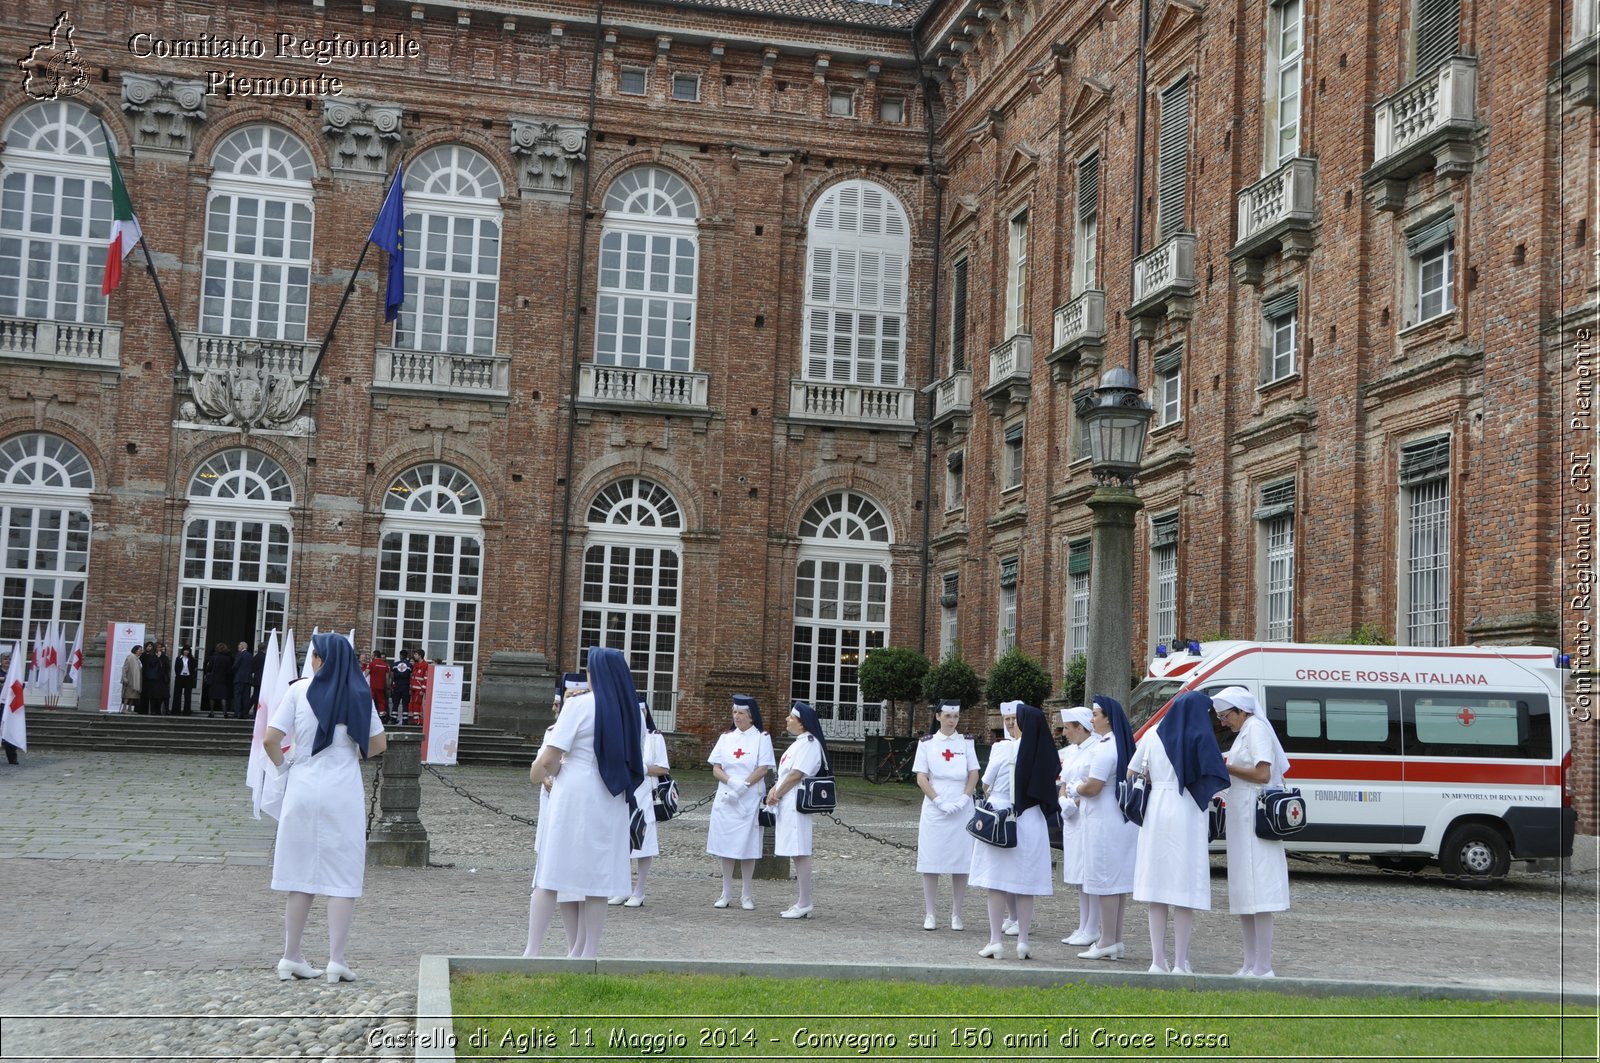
<point>1455,756</point>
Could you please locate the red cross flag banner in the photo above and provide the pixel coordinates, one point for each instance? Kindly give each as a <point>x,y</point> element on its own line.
<point>13,715</point>
<point>125,231</point>
<point>75,663</point>
<point>441,715</point>
<point>121,638</point>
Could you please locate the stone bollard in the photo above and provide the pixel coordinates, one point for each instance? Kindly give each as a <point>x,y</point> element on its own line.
<point>398,838</point>
<point>770,865</point>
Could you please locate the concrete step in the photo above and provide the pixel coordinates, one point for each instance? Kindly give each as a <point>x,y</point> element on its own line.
<point>64,729</point>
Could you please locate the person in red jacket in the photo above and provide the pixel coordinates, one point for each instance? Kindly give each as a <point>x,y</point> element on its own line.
<point>419,684</point>
<point>378,679</point>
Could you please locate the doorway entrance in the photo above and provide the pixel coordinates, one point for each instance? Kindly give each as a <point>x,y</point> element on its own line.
<point>231,617</point>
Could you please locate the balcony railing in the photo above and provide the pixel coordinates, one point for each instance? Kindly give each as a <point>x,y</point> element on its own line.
<point>444,373</point>
<point>643,387</point>
<point>848,722</point>
<point>868,407</point>
<point>1080,322</point>
<point>62,342</point>
<point>1166,272</point>
<point>1428,109</point>
<point>1013,358</point>
<point>1282,198</point>
<point>954,395</point>
<point>206,352</point>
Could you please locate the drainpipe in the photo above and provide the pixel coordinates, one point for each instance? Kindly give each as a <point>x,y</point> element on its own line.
<point>577,339</point>
<point>1138,179</point>
<point>930,91</point>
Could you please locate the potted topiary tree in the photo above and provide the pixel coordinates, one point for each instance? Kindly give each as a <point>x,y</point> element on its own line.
<point>1017,677</point>
<point>893,674</point>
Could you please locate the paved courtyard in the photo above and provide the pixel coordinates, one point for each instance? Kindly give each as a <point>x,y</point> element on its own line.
<point>137,900</point>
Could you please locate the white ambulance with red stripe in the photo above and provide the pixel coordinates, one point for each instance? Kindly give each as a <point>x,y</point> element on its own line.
<point>1455,755</point>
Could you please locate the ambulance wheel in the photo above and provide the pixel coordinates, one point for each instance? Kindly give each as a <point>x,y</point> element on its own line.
<point>1475,855</point>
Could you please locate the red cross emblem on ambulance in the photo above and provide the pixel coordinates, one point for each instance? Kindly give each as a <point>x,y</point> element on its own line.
<point>1466,716</point>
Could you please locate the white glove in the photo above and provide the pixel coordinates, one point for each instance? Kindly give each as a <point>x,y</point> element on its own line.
<point>1069,808</point>
<point>282,768</point>
<point>951,807</point>
<point>738,786</point>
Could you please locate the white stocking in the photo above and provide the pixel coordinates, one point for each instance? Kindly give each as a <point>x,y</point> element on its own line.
<point>802,874</point>
<point>930,894</point>
<point>593,921</point>
<point>1182,932</point>
<point>572,923</point>
<point>727,877</point>
<point>958,895</point>
<point>1022,904</point>
<point>295,913</point>
<point>1247,927</point>
<point>1158,935</point>
<point>997,915</point>
<point>644,872</point>
<point>341,912</point>
<point>1088,913</point>
<point>541,906</point>
<point>1263,943</point>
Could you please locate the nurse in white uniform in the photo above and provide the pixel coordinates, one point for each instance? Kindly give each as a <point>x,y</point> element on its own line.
<point>740,761</point>
<point>1020,874</point>
<point>1258,870</point>
<point>792,836</point>
<point>947,772</point>
<point>1110,842</point>
<point>1077,722</point>
<point>593,753</point>
<point>1172,873</point>
<point>653,745</point>
<point>322,829</point>
<point>997,772</point>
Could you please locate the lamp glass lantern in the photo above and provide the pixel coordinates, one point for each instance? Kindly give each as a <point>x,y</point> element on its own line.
<point>1119,420</point>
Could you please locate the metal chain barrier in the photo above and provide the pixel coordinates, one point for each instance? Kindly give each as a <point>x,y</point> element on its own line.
<point>372,803</point>
<point>871,837</point>
<point>497,810</point>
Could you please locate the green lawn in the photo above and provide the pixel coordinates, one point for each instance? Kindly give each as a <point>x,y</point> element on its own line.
<point>716,1018</point>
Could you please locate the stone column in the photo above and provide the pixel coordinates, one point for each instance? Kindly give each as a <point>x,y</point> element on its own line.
<point>398,838</point>
<point>1110,659</point>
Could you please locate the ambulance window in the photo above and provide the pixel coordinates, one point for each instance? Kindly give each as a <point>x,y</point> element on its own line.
<point>1303,719</point>
<point>1468,721</point>
<point>1478,724</point>
<point>1350,720</point>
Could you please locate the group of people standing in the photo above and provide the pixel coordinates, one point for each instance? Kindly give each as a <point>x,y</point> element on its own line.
<point>1165,863</point>
<point>399,686</point>
<point>156,684</point>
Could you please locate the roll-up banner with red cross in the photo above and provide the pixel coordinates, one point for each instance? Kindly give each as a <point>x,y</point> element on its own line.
<point>120,641</point>
<point>441,715</point>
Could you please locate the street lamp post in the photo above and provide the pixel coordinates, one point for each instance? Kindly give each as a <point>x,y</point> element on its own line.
<point>1118,422</point>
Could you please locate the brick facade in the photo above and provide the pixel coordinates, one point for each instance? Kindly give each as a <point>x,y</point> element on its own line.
<point>1021,93</point>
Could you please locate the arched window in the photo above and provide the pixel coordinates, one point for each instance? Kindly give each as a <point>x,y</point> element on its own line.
<point>649,249</point>
<point>841,609</point>
<point>55,214</point>
<point>430,569</point>
<point>237,534</point>
<point>452,253</point>
<point>631,580</point>
<point>258,236</point>
<point>44,506</point>
<point>858,252</point>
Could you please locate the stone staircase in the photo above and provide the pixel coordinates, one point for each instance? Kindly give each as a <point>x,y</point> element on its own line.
<point>64,729</point>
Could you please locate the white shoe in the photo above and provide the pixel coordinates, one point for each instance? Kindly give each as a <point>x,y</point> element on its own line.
<point>956,923</point>
<point>1266,974</point>
<point>633,902</point>
<point>929,923</point>
<point>1183,970</point>
<point>616,900</point>
<point>1023,951</point>
<point>1009,928</point>
<point>1243,972</point>
<point>720,902</point>
<point>1110,952</point>
<point>747,904</point>
<point>338,972</point>
<point>1080,937</point>
<point>1156,968</point>
<point>796,912</point>
<point>991,950</point>
<point>288,969</point>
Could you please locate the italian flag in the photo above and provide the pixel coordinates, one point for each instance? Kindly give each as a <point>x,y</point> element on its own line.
<point>125,231</point>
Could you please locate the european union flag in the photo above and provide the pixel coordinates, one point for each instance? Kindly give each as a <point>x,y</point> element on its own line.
<point>389,233</point>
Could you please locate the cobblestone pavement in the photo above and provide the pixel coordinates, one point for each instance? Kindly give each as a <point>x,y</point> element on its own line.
<point>136,885</point>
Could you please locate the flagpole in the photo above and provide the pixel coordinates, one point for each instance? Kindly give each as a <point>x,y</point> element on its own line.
<point>150,268</point>
<point>322,352</point>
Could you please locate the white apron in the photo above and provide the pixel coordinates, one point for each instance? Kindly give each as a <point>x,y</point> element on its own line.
<point>1258,870</point>
<point>1173,865</point>
<point>1110,842</point>
<point>583,837</point>
<point>943,845</point>
<point>322,828</point>
<point>792,836</point>
<point>1026,868</point>
<point>735,832</point>
<point>654,747</point>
